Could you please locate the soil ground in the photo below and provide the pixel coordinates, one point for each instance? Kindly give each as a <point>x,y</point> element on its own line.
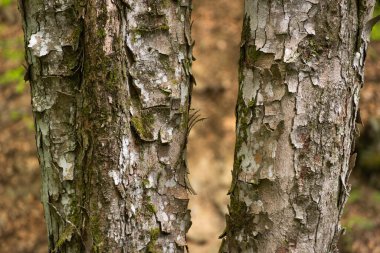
<point>216,30</point>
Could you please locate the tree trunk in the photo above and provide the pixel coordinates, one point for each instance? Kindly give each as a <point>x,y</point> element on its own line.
<point>111,84</point>
<point>301,71</point>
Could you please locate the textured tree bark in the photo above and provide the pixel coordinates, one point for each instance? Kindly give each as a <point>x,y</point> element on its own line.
<point>111,84</point>
<point>301,70</point>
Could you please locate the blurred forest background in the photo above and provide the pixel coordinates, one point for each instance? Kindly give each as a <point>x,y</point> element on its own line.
<point>216,31</point>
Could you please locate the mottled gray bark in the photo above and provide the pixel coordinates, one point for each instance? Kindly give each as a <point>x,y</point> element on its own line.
<point>111,84</point>
<point>301,71</point>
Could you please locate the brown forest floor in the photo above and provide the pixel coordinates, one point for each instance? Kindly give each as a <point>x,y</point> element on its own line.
<point>216,31</point>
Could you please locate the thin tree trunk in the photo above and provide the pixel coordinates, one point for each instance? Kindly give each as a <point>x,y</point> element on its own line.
<point>111,85</point>
<point>301,71</point>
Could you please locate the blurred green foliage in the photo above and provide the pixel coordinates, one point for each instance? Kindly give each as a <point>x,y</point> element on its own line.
<point>375,35</point>
<point>376,197</point>
<point>359,222</point>
<point>355,196</point>
<point>22,115</point>
<point>5,3</point>
<point>12,60</point>
<point>14,76</point>
<point>11,56</point>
